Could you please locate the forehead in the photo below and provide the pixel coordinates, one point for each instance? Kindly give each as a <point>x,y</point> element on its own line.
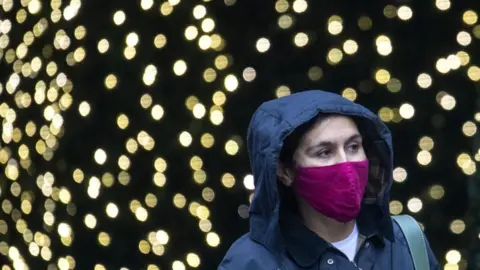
<point>331,129</point>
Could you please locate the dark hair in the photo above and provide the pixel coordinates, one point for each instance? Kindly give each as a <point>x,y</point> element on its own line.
<point>293,140</point>
<point>288,202</point>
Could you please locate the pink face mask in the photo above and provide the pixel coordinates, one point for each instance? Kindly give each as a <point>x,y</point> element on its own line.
<point>335,191</point>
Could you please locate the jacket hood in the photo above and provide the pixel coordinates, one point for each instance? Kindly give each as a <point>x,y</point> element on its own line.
<point>274,121</point>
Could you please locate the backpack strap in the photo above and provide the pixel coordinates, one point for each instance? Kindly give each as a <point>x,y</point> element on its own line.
<point>415,240</point>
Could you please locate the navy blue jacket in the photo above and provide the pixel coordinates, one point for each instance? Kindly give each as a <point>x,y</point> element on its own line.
<point>278,240</point>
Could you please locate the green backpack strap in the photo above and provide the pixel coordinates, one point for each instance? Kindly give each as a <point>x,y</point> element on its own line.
<point>415,240</point>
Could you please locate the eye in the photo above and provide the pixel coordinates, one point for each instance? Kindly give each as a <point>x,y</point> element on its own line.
<point>323,153</point>
<point>354,147</point>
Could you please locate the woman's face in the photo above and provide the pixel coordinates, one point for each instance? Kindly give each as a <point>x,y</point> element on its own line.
<point>331,140</point>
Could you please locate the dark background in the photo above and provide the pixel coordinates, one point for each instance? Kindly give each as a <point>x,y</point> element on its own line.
<point>417,45</point>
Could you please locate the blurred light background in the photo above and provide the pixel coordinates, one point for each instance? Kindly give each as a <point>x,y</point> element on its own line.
<point>123,122</point>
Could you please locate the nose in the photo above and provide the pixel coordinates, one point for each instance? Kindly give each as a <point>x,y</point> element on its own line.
<point>341,156</point>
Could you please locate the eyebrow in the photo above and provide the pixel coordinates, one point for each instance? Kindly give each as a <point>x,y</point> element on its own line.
<point>354,137</point>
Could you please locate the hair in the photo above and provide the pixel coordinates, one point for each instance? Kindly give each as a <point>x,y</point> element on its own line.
<point>293,140</point>
<point>291,143</point>
<point>288,202</point>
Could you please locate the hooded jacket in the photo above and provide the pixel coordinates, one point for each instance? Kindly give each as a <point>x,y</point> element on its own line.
<point>278,240</point>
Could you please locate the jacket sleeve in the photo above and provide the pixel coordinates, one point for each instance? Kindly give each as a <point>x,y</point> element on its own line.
<point>400,238</point>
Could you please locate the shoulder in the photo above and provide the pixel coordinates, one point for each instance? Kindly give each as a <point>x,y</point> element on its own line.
<point>247,254</point>
<point>398,234</point>
<point>401,240</point>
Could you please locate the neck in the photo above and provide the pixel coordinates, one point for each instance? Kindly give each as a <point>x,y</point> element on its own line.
<point>328,229</point>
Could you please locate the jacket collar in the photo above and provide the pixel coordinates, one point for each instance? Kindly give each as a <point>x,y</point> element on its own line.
<point>306,247</point>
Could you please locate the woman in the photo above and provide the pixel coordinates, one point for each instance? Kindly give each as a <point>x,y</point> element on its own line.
<point>323,172</point>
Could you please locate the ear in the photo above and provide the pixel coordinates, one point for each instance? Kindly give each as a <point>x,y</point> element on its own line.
<point>285,175</point>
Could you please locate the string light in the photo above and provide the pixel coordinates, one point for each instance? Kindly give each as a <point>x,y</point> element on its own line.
<point>45,99</point>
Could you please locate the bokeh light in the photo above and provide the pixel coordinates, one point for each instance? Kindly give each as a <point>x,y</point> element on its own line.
<point>118,122</point>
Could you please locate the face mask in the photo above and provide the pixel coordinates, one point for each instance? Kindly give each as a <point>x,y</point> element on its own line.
<point>335,191</point>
